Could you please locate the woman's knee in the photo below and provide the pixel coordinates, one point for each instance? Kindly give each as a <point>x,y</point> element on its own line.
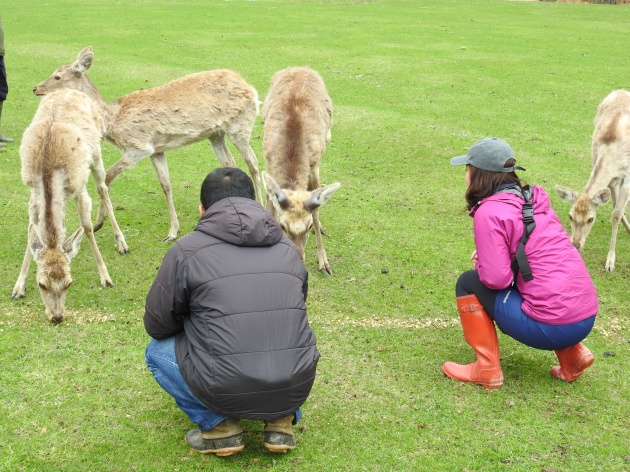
<point>466,283</point>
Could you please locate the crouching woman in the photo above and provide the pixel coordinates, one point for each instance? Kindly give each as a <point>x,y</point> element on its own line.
<point>545,299</point>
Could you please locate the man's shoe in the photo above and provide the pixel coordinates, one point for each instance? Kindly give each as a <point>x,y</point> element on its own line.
<point>279,435</point>
<point>224,439</point>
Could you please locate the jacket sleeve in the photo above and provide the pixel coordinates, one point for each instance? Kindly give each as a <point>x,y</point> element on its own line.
<point>167,300</point>
<point>493,249</point>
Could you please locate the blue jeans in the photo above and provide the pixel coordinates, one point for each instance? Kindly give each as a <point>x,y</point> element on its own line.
<point>513,321</point>
<point>505,308</point>
<point>161,361</point>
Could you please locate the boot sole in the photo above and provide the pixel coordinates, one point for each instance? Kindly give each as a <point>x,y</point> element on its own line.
<point>224,452</point>
<point>493,385</point>
<point>278,448</point>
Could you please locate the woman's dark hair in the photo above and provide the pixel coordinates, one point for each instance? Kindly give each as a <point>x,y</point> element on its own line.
<point>484,183</point>
<point>226,182</point>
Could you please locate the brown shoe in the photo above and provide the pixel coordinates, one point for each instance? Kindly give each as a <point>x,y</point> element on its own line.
<point>279,435</point>
<point>224,439</point>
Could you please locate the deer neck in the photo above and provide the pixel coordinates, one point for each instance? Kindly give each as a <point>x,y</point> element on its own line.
<point>49,200</point>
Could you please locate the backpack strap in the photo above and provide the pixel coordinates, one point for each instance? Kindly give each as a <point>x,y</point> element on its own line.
<point>520,261</point>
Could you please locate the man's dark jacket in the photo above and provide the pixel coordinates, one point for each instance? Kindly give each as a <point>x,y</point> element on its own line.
<point>233,292</point>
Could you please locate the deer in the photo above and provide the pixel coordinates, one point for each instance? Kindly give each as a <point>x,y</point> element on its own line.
<point>297,117</point>
<point>59,150</point>
<point>610,177</point>
<point>147,123</point>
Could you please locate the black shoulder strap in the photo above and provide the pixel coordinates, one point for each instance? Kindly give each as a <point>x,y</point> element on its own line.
<point>520,261</point>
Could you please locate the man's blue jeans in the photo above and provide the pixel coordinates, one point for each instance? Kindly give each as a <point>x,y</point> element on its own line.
<point>161,361</point>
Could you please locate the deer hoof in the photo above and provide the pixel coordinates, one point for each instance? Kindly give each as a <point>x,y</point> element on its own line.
<point>97,226</point>
<point>326,271</point>
<point>17,296</point>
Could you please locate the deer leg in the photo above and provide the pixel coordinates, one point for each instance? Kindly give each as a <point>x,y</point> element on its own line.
<point>324,265</point>
<point>98,172</point>
<point>129,159</point>
<point>613,194</point>
<point>19,290</point>
<point>161,167</point>
<point>84,208</point>
<point>217,141</point>
<point>617,215</point>
<point>245,150</point>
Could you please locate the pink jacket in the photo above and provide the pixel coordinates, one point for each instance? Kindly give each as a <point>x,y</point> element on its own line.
<point>561,291</point>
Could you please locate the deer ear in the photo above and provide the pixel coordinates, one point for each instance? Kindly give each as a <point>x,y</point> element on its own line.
<point>601,197</point>
<point>84,60</point>
<point>320,196</point>
<point>73,243</point>
<point>566,194</point>
<point>270,183</point>
<point>274,193</point>
<point>34,241</point>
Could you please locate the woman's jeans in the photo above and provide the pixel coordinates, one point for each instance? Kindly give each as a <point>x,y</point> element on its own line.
<point>504,307</point>
<point>161,361</point>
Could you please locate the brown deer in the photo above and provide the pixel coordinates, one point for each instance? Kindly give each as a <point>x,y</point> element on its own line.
<point>206,105</point>
<point>610,177</point>
<point>59,150</point>
<point>297,116</point>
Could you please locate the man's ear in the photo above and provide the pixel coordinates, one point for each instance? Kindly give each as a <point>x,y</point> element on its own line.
<point>202,210</point>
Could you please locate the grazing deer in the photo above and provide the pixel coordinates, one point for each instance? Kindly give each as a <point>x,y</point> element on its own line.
<point>297,116</point>
<point>59,150</point>
<point>610,177</point>
<point>205,105</point>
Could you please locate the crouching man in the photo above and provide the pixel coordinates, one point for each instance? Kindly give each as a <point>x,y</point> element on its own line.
<point>227,315</point>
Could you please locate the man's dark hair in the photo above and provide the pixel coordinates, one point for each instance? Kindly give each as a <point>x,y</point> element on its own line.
<point>226,182</point>
<point>484,183</point>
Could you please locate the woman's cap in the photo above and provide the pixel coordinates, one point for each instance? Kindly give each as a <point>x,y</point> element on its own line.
<point>488,154</point>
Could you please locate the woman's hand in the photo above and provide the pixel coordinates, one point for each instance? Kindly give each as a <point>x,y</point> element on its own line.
<point>473,257</point>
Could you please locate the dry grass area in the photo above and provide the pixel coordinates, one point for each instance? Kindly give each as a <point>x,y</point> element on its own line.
<point>607,2</point>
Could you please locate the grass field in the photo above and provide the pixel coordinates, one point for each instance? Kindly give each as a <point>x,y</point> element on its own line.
<point>413,84</point>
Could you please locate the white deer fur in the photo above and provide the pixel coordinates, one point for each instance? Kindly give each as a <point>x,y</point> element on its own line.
<point>59,150</point>
<point>297,115</point>
<point>205,105</point>
<point>610,177</point>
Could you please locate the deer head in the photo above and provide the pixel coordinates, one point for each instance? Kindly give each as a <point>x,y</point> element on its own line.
<point>53,270</point>
<point>293,209</point>
<point>582,213</point>
<point>71,76</point>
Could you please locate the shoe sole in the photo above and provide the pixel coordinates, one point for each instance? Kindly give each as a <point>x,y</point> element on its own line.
<point>278,448</point>
<point>224,452</point>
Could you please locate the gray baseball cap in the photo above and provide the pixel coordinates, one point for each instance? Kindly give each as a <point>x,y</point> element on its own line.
<point>488,154</point>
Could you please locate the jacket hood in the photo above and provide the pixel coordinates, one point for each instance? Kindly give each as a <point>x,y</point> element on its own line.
<point>240,221</point>
<point>539,198</point>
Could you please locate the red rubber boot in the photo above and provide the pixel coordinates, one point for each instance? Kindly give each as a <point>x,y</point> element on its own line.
<point>480,334</point>
<point>574,360</point>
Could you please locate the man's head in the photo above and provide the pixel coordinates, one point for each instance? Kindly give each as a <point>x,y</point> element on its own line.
<point>225,182</point>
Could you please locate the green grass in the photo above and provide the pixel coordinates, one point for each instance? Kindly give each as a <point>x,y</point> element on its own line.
<point>413,84</point>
